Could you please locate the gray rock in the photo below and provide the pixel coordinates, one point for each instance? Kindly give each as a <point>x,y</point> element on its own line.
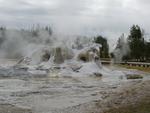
<point>96,74</point>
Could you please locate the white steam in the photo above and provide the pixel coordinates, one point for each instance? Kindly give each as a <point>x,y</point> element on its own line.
<point>17,44</point>
<point>20,43</point>
<point>121,49</point>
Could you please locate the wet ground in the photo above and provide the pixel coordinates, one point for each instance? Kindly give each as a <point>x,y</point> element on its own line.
<point>53,94</point>
<point>48,94</point>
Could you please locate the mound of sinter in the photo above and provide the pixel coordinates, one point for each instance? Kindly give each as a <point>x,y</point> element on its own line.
<point>64,60</point>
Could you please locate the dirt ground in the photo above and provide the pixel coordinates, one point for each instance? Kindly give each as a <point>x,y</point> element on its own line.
<point>13,109</point>
<point>133,97</point>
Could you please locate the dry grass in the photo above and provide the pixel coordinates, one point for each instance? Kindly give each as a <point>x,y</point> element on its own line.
<point>141,107</point>
<point>136,99</point>
<point>134,76</point>
<point>145,69</point>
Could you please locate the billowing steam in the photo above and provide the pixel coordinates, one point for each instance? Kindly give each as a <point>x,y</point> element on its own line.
<point>121,49</point>
<point>40,50</point>
<point>39,43</point>
<point>20,43</point>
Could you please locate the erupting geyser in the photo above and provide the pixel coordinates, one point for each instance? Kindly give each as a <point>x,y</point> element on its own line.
<point>68,59</point>
<point>40,52</point>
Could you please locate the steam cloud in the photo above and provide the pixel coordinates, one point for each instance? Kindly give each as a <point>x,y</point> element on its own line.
<point>20,43</point>
<point>16,44</point>
<point>121,49</point>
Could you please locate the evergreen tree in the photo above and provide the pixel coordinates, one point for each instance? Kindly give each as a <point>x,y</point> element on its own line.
<point>147,51</point>
<point>136,43</point>
<point>104,53</point>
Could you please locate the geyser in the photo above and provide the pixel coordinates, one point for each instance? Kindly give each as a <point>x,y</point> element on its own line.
<point>68,59</point>
<point>121,49</point>
<point>40,51</point>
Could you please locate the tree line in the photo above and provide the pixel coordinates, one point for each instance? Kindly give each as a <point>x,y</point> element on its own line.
<point>138,47</point>
<point>134,47</point>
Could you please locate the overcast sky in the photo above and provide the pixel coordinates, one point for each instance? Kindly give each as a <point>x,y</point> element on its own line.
<point>106,17</point>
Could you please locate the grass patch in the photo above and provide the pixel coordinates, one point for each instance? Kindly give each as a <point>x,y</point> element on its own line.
<point>141,107</point>
<point>134,76</point>
<point>145,69</point>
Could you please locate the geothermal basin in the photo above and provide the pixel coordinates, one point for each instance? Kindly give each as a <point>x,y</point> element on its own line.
<point>62,80</point>
<point>55,93</point>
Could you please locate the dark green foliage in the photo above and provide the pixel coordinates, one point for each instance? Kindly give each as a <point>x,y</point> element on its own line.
<point>104,52</point>
<point>139,49</point>
<point>147,51</point>
<point>112,55</point>
<point>136,43</point>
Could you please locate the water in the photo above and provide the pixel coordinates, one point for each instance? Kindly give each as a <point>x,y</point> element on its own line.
<point>47,94</point>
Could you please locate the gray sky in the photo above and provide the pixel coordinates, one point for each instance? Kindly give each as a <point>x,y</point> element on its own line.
<point>106,17</point>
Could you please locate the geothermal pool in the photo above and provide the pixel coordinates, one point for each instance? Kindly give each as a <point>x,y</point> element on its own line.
<point>53,93</point>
